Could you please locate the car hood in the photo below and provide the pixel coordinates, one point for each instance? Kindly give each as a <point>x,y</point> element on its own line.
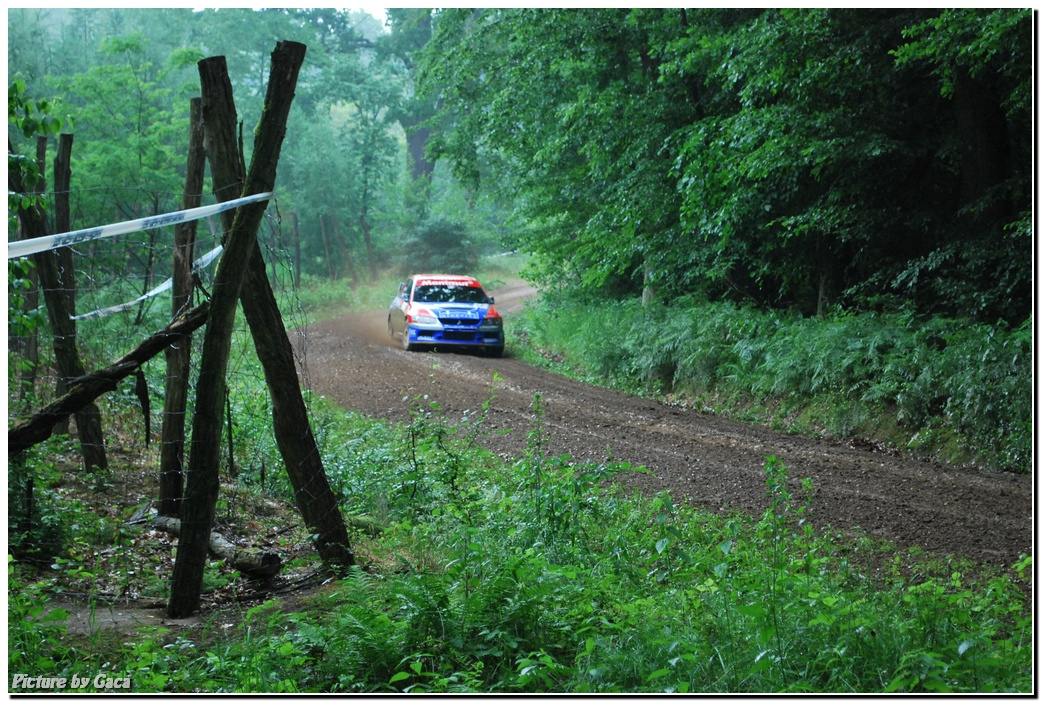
<point>455,310</point>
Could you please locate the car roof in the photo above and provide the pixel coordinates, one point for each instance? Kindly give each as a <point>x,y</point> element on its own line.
<point>439,279</point>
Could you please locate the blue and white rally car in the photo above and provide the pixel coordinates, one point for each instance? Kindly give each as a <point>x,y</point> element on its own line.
<point>445,310</point>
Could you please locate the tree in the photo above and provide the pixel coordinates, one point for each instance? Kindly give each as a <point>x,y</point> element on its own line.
<point>242,267</point>
<point>410,32</point>
<point>981,59</point>
<point>293,434</point>
<point>793,158</point>
<point>565,107</point>
<point>24,180</point>
<point>367,90</point>
<point>126,167</point>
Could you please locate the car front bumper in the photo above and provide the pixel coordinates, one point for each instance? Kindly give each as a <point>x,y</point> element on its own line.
<point>460,335</point>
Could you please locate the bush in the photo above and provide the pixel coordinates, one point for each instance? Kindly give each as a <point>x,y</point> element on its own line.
<point>938,376</point>
<point>440,245</point>
<point>36,528</point>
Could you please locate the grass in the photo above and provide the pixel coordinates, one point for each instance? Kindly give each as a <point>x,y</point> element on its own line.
<point>539,576</point>
<point>934,386</point>
<point>526,575</point>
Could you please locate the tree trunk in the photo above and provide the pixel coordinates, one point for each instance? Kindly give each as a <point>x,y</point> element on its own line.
<point>296,252</point>
<point>328,253</point>
<point>416,138</point>
<point>650,290</point>
<point>368,246</point>
<point>983,135</point>
<point>346,253</point>
<point>63,223</point>
<point>85,389</point>
<point>296,442</point>
<point>66,354</point>
<point>292,428</point>
<point>63,327</point>
<point>63,214</point>
<point>63,255</point>
<point>178,356</point>
<point>203,482</point>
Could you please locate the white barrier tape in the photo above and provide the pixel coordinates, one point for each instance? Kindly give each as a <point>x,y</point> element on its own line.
<point>198,265</point>
<point>16,249</point>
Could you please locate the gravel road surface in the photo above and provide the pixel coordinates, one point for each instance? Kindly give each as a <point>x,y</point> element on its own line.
<point>703,460</point>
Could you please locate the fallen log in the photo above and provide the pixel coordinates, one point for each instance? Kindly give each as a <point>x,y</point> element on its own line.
<point>252,562</point>
<point>87,388</point>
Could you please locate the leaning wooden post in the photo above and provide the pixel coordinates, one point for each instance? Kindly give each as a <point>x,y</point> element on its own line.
<point>292,427</point>
<point>178,356</point>
<point>203,480</point>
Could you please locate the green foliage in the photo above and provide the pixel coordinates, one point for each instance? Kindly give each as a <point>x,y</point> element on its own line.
<point>31,118</point>
<point>634,595</point>
<point>440,245</point>
<point>931,373</point>
<point>128,76</point>
<point>35,635</point>
<point>22,319</point>
<point>798,158</point>
<point>540,576</point>
<point>130,133</point>
<point>37,520</point>
<point>972,40</point>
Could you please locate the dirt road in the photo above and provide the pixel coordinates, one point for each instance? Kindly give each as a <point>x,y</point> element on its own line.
<point>703,460</point>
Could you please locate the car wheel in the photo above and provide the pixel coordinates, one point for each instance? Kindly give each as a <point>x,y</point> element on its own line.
<point>405,343</point>
<point>390,327</point>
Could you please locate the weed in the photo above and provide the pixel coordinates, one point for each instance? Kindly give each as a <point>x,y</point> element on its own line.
<point>537,575</point>
<point>954,388</point>
<point>35,636</point>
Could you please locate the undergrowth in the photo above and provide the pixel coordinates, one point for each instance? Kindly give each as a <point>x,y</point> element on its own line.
<point>539,575</point>
<point>940,386</point>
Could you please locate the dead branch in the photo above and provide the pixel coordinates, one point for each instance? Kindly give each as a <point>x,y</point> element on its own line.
<point>252,562</point>
<point>87,388</point>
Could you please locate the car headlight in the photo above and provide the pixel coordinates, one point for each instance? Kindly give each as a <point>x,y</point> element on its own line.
<point>492,318</point>
<point>423,318</point>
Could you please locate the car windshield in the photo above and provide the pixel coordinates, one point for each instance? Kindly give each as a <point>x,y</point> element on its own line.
<point>449,293</point>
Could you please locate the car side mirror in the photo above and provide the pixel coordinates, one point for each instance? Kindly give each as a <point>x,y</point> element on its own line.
<point>491,300</point>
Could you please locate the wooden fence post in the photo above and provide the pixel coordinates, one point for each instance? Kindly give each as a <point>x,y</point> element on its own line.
<point>63,327</point>
<point>178,356</point>
<point>203,480</point>
<point>292,427</point>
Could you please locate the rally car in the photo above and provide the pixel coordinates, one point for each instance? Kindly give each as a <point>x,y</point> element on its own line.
<point>445,310</point>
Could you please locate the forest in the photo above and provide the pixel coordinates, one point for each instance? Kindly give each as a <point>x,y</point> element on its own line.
<point>815,220</point>
<point>801,161</point>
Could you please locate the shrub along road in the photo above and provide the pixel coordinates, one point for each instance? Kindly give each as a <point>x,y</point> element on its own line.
<point>702,460</point>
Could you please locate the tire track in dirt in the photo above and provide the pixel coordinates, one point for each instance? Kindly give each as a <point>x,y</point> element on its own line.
<point>703,460</point>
